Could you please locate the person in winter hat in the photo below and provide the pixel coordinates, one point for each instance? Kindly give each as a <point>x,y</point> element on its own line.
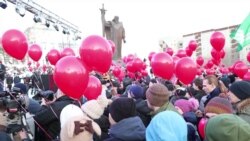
<point>77,126</point>
<point>158,99</point>
<point>184,106</point>
<point>125,125</point>
<point>239,95</point>
<point>227,127</point>
<point>167,126</point>
<point>95,108</point>
<point>135,91</point>
<point>218,105</point>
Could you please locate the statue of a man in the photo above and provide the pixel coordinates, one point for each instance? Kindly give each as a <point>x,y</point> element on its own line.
<point>114,30</point>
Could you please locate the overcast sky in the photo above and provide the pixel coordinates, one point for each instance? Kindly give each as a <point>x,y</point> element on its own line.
<point>145,21</point>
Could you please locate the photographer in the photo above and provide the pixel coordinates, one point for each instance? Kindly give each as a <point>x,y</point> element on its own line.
<point>48,117</point>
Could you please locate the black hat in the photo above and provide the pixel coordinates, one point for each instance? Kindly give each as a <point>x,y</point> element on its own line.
<point>122,108</point>
<point>22,87</point>
<point>241,89</point>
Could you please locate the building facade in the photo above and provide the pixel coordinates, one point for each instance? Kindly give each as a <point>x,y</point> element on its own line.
<point>204,47</point>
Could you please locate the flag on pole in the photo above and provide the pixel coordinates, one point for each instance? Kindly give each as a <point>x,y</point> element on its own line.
<point>242,34</point>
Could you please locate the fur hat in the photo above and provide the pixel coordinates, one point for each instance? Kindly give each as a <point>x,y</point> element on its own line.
<point>95,108</point>
<point>71,114</point>
<point>157,95</point>
<point>241,89</point>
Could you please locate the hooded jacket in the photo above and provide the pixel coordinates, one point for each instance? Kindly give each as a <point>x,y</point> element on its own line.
<point>129,129</point>
<point>167,126</point>
<point>229,127</point>
<point>243,110</point>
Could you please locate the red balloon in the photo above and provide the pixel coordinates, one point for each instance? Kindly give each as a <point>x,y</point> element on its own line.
<point>181,53</point>
<point>248,57</point>
<point>222,53</point>
<point>137,64</point>
<point>163,65</point>
<point>71,76</point>
<point>94,88</point>
<point>37,65</point>
<point>144,73</point>
<point>151,54</point>
<point>189,52</point>
<point>96,53</point>
<point>131,75</point>
<point>30,69</point>
<point>247,76</point>
<point>130,58</point>
<point>112,44</point>
<point>15,44</point>
<point>121,76</point>
<point>175,59</point>
<point>216,62</point>
<point>201,127</point>
<point>210,64</point>
<point>53,56</point>
<point>240,69</point>
<point>199,72</point>
<point>210,71</point>
<point>169,51</point>
<point>231,68</point>
<point>144,66</point>
<point>200,60</point>
<point>116,71</point>
<point>130,67</point>
<point>217,40</point>
<point>192,45</point>
<point>67,52</point>
<point>215,54</point>
<point>35,52</point>
<point>44,68</point>
<point>185,70</point>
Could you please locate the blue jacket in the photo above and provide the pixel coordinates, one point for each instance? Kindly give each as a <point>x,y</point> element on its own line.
<point>129,129</point>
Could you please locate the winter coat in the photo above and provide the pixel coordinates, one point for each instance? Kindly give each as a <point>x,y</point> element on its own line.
<point>129,129</point>
<point>211,95</point>
<point>49,120</point>
<point>143,111</point>
<point>243,110</point>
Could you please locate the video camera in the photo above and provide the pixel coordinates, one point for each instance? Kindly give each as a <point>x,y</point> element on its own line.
<point>47,95</point>
<point>14,102</point>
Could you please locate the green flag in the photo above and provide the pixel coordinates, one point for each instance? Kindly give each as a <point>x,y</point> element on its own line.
<point>242,34</point>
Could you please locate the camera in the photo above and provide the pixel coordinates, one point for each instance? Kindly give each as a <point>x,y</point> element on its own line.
<point>47,95</point>
<point>14,102</point>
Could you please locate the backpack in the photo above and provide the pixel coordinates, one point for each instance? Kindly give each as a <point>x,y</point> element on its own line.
<point>193,134</point>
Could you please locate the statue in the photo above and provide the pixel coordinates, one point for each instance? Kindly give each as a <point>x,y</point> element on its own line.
<point>113,30</point>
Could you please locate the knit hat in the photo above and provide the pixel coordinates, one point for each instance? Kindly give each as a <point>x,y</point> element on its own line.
<point>185,105</point>
<point>22,87</point>
<point>157,95</point>
<point>136,91</point>
<point>227,127</point>
<point>241,89</point>
<point>122,108</point>
<point>69,115</point>
<point>95,108</point>
<point>219,105</point>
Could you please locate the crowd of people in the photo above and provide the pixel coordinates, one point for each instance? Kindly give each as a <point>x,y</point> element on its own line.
<point>146,109</point>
